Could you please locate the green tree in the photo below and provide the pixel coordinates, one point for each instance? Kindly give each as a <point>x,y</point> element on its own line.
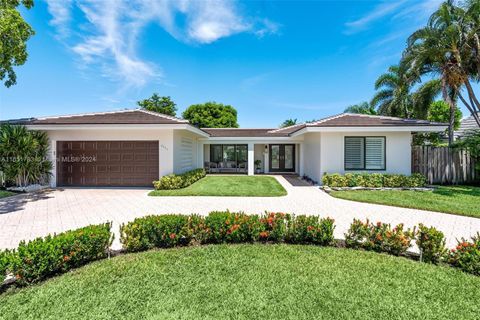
<point>288,123</point>
<point>14,34</point>
<point>211,115</point>
<point>361,108</point>
<point>159,104</point>
<point>398,96</point>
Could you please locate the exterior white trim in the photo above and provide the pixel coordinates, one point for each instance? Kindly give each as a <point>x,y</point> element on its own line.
<point>264,140</point>
<point>55,127</point>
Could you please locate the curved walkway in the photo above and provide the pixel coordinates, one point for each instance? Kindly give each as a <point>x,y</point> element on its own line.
<point>25,217</point>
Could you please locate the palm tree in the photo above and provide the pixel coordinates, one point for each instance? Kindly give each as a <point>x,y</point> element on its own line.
<point>395,95</point>
<point>361,108</point>
<point>288,123</point>
<point>434,50</point>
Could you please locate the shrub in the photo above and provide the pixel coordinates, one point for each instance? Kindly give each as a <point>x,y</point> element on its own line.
<point>274,227</point>
<point>378,237</point>
<point>161,231</point>
<point>310,229</point>
<point>374,180</point>
<point>5,262</point>
<point>178,181</point>
<point>225,226</point>
<point>431,243</point>
<point>466,255</point>
<point>44,257</point>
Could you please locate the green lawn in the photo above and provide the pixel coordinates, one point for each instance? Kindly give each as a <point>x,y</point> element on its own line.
<point>250,282</point>
<point>461,200</point>
<point>4,194</point>
<point>240,186</point>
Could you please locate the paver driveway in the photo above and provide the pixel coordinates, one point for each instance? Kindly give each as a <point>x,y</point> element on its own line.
<point>25,217</point>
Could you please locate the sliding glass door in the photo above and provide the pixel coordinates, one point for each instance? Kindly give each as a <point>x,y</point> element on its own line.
<point>229,154</point>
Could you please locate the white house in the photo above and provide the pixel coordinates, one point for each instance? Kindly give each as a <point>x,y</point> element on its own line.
<point>135,147</point>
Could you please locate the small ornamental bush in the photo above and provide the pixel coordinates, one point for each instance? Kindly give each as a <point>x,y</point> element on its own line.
<point>161,231</point>
<point>274,227</point>
<point>466,255</point>
<point>431,243</point>
<point>310,229</point>
<point>374,180</point>
<point>5,261</point>
<point>379,237</point>
<point>229,227</point>
<point>178,181</point>
<point>44,257</point>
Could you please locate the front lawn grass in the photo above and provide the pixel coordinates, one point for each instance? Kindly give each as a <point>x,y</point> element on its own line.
<point>461,200</point>
<point>5,193</point>
<point>237,186</point>
<point>250,282</point>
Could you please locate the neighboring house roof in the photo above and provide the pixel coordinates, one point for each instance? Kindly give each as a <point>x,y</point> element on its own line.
<point>131,116</point>
<point>467,124</point>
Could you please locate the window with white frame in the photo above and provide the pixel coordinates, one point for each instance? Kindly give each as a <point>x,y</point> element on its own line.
<point>364,153</point>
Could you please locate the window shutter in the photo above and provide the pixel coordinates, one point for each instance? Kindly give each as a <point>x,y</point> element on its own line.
<point>375,153</point>
<point>354,157</point>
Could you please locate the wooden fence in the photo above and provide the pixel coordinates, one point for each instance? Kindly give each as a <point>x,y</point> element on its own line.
<point>444,165</point>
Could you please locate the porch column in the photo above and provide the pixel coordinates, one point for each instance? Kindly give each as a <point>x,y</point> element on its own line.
<point>301,155</point>
<point>53,159</point>
<point>201,157</point>
<point>251,158</point>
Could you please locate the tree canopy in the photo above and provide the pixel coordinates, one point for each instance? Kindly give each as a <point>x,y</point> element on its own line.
<point>211,115</point>
<point>361,108</point>
<point>159,104</point>
<point>288,123</point>
<point>14,34</point>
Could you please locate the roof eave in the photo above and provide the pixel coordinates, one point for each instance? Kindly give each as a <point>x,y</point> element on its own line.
<point>422,128</point>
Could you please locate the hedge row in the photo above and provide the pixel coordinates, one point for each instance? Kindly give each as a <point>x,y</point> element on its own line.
<point>178,181</point>
<point>224,227</point>
<point>43,257</point>
<point>374,180</point>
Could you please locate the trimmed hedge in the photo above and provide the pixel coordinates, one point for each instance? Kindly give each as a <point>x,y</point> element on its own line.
<point>431,243</point>
<point>225,227</point>
<point>374,180</point>
<point>179,181</point>
<point>466,255</point>
<point>43,257</point>
<point>379,237</point>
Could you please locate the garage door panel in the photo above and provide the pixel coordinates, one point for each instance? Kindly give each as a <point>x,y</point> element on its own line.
<point>107,163</point>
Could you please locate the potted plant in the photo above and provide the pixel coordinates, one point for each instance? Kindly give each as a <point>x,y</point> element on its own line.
<point>258,167</point>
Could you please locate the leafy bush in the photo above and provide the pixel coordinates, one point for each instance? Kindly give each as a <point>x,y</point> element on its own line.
<point>5,262</point>
<point>24,155</point>
<point>178,181</point>
<point>225,226</point>
<point>44,257</point>
<point>374,180</point>
<point>378,237</point>
<point>274,227</point>
<point>161,231</point>
<point>466,255</point>
<point>310,229</point>
<point>431,243</point>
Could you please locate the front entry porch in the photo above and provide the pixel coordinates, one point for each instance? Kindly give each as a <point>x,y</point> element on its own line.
<point>251,158</point>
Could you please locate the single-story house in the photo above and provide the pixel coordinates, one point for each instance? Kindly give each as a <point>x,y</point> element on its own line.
<point>135,147</point>
<point>467,125</point>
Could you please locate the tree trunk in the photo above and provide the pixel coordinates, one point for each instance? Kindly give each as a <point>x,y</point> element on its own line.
<point>469,107</point>
<point>450,103</point>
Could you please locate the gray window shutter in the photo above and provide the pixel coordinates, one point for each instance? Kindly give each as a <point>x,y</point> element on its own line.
<point>375,153</point>
<point>354,149</point>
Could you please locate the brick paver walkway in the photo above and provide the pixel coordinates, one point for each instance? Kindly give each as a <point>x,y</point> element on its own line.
<point>25,217</point>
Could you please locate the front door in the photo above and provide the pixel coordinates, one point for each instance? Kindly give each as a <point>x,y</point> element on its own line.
<point>282,158</point>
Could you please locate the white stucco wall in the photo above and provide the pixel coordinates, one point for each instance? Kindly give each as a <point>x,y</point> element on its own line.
<point>185,151</point>
<point>397,148</point>
<point>311,153</point>
<point>163,136</point>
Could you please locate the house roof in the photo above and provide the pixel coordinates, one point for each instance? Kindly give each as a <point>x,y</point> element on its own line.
<point>129,116</point>
<point>467,124</point>
<point>243,133</point>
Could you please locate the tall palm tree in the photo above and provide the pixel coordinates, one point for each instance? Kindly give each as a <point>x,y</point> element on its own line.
<point>361,108</point>
<point>397,94</point>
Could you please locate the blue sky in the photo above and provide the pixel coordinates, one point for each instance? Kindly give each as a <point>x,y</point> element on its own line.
<point>271,60</point>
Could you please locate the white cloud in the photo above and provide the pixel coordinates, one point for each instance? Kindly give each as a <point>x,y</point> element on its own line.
<point>377,13</point>
<point>114,26</point>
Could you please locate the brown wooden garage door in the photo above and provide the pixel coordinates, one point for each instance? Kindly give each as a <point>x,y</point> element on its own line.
<point>107,163</point>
